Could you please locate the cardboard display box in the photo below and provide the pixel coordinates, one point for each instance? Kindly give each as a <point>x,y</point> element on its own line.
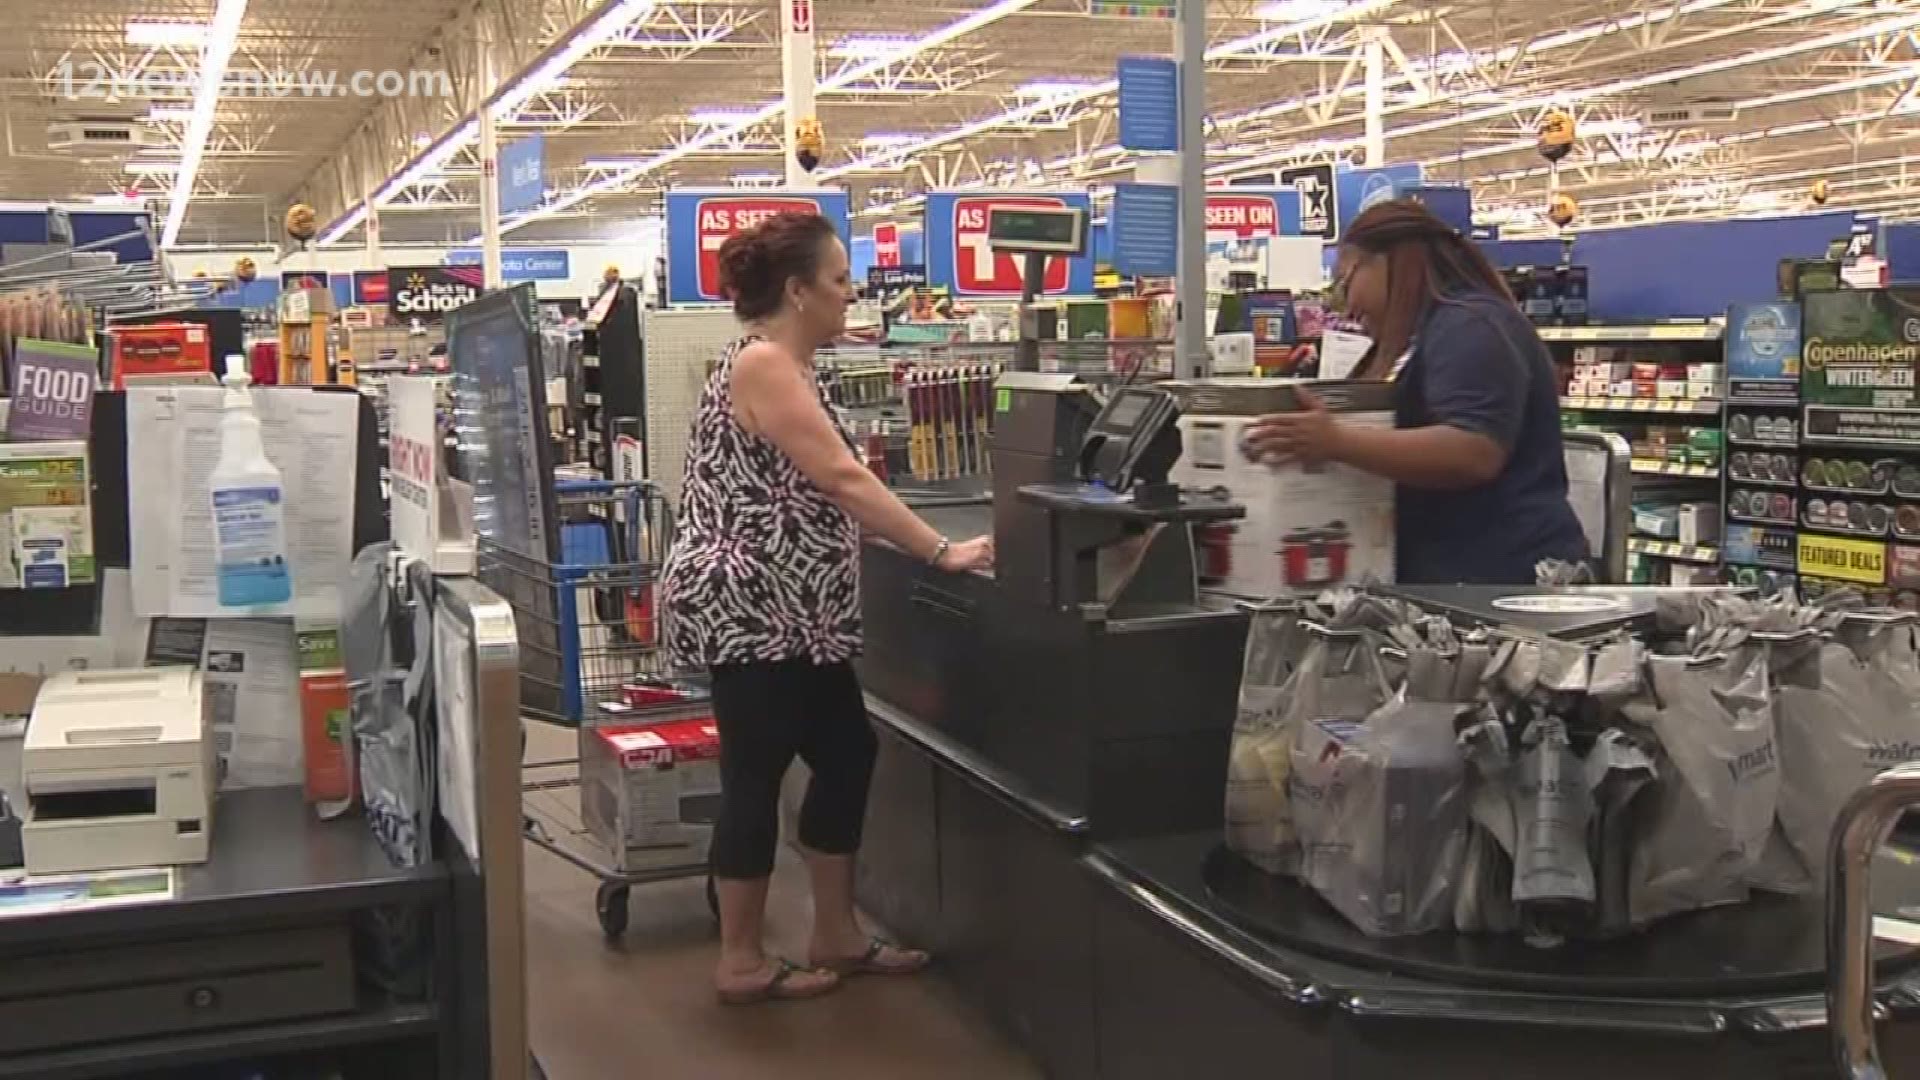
<point>649,792</point>
<point>1306,529</point>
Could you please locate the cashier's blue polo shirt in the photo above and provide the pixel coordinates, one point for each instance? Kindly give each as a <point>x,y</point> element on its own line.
<point>1478,365</point>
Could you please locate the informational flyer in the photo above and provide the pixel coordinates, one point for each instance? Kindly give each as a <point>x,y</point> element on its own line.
<point>22,896</point>
<point>173,443</point>
<point>250,678</point>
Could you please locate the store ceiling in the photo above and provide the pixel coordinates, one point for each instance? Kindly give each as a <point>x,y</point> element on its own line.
<point>1689,107</point>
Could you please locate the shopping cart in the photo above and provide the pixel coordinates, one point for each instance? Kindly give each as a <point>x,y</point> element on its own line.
<point>589,630</point>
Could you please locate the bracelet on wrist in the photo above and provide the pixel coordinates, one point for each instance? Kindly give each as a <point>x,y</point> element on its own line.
<point>940,551</point>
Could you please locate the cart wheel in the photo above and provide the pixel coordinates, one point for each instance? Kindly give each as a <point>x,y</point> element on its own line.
<point>610,903</point>
<point>713,899</point>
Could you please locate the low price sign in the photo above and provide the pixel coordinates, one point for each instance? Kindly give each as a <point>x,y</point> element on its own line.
<point>699,222</point>
<point>960,258</point>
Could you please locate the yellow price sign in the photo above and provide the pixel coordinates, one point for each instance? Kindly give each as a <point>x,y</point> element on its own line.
<point>1863,561</point>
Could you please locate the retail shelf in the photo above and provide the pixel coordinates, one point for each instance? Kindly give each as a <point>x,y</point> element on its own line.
<point>1768,482</point>
<point>1649,467</point>
<point>1667,549</point>
<point>1659,406</point>
<point>389,1024</point>
<point>1594,335</point>
<point>1769,444</point>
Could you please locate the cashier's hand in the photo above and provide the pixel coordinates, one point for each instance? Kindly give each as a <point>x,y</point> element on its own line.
<point>974,554</point>
<point>1310,436</point>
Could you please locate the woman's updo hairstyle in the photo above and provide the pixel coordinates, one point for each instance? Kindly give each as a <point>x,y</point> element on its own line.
<point>755,265</point>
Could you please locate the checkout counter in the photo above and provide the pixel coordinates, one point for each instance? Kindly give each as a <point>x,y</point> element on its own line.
<point>1046,816</point>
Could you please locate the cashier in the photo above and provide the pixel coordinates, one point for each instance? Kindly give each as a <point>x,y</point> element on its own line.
<point>1475,452</point>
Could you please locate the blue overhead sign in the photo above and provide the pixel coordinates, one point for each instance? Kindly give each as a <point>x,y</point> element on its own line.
<point>961,260</point>
<point>523,174</point>
<point>698,222</point>
<point>521,264</point>
<point>1357,189</point>
<point>1146,229</point>
<point>1149,103</point>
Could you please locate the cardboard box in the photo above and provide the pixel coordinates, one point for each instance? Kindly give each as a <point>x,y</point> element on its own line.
<point>649,792</point>
<point>1702,390</point>
<point>1699,523</point>
<point>1670,389</point>
<point>1306,530</point>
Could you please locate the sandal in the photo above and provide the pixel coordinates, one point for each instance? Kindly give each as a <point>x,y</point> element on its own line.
<point>776,987</point>
<point>870,963</point>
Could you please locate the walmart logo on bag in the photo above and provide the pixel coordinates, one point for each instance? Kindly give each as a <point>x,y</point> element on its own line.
<point>1756,762</point>
<point>1898,753</point>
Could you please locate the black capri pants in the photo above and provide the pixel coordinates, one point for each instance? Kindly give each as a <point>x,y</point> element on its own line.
<point>767,713</point>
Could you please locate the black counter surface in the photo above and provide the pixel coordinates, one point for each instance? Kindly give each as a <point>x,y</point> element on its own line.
<point>1753,963</point>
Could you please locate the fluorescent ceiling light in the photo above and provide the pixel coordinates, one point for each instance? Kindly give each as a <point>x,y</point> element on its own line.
<point>1296,10</point>
<point>840,80</point>
<point>859,48</point>
<point>151,168</point>
<point>1045,88</point>
<point>170,114</point>
<point>608,163</point>
<point>166,35</point>
<point>218,50</point>
<point>1882,27</point>
<point>756,179</point>
<point>898,138</point>
<point>723,118</point>
<point>550,74</point>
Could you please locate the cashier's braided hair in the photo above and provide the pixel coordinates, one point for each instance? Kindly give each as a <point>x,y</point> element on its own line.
<point>1427,261</point>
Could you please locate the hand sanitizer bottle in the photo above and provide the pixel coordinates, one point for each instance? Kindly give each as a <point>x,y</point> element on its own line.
<point>249,533</point>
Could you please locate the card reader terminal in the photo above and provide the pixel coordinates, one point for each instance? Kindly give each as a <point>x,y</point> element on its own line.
<point>118,772</point>
<point>1133,441</point>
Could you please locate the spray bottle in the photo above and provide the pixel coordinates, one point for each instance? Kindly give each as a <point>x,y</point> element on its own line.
<point>249,529</point>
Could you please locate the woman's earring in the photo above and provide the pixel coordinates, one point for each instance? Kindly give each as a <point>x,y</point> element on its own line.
<point>800,306</point>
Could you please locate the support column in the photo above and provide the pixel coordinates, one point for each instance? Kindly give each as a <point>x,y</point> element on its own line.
<point>798,75</point>
<point>1191,358</point>
<point>1376,102</point>
<point>489,174</point>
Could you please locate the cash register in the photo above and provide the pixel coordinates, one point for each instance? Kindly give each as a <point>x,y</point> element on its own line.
<point>1119,535</point>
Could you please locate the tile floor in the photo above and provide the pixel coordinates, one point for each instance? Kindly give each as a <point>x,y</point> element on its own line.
<point>646,1009</point>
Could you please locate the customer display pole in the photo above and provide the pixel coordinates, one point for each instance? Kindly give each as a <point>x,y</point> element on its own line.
<point>1192,360</point>
<point>797,79</point>
<point>489,172</point>
<point>1033,283</point>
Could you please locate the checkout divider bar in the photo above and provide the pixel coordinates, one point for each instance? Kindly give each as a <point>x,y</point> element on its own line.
<point>974,767</point>
<point>473,620</point>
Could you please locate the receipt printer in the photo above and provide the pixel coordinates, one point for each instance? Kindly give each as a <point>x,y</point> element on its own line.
<point>118,771</point>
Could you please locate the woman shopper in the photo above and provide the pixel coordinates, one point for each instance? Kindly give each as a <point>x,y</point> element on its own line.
<point>1475,451</point>
<point>762,589</point>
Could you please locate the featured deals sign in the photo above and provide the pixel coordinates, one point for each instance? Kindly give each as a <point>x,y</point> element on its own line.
<point>960,259</point>
<point>427,293</point>
<point>698,222</point>
<point>1251,214</point>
